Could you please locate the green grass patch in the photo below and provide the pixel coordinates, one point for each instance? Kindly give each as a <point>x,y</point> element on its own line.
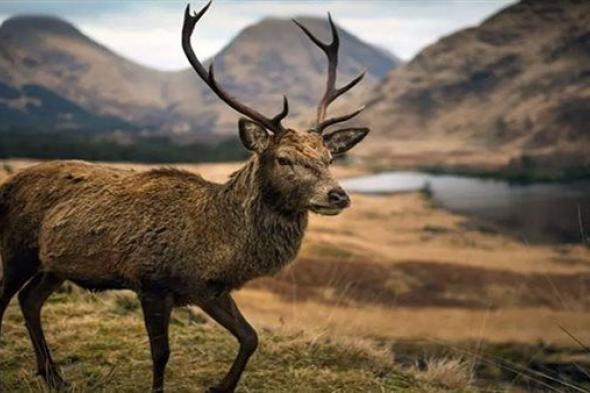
<point>99,348</point>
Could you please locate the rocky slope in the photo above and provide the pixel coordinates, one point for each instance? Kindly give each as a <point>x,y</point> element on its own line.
<point>514,91</point>
<point>49,54</point>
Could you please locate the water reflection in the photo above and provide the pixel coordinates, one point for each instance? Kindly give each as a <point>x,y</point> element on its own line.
<point>538,212</point>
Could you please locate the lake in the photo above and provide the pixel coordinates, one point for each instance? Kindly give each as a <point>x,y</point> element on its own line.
<point>534,212</point>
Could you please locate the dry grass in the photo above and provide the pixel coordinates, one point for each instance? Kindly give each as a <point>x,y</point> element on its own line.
<point>344,280</point>
<point>453,373</point>
<point>390,229</point>
<point>100,344</point>
<point>518,325</point>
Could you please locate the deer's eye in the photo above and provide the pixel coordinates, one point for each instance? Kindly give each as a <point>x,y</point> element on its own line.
<point>284,161</point>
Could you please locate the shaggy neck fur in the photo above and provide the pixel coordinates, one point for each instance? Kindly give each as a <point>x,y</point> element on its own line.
<point>273,235</point>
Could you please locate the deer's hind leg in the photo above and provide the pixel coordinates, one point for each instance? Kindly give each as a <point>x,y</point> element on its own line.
<point>17,269</point>
<point>31,298</point>
<point>156,310</point>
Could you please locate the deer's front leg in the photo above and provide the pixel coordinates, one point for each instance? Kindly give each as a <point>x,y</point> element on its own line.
<point>223,309</point>
<point>156,312</point>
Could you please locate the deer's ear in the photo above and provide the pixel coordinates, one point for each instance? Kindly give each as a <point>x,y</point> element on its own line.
<point>254,136</point>
<point>341,141</point>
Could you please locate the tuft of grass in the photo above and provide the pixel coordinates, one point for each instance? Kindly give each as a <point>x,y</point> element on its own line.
<point>99,348</point>
<point>452,373</point>
<point>125,303</point>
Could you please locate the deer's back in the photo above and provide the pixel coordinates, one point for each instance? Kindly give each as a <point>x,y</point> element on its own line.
<point>93,223</point>
<point>27,197</point>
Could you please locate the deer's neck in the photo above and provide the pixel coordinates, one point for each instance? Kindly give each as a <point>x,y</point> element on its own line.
<point>272,236</point>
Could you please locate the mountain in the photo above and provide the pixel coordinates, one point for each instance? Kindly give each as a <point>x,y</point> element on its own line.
<point>32,105</point>
<point>24,61</point>
<point>98,89</point>
<point>274,57</point>
<point>513,91</point>
<point>52,54</point>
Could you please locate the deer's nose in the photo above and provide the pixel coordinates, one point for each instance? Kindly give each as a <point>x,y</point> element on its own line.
<point>338,197</point>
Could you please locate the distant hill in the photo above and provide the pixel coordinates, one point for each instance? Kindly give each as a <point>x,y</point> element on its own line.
<point>54,77</point>
<point>274,57</point>
<point>512,91</point>
<point>52,53</point>
<point>36,107</point>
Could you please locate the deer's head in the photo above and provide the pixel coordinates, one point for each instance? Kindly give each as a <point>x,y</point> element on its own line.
<point>294,164</point>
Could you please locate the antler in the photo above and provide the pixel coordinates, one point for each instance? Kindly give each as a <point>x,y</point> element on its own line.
<point>331,51</point>
<point>273,124</point>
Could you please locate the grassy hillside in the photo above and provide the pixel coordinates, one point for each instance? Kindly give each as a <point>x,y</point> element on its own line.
<point>511,93</point>
<point>100,344</point>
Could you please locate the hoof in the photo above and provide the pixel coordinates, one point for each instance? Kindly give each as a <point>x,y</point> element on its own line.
<point>55,381</point>
<point>60,386</point>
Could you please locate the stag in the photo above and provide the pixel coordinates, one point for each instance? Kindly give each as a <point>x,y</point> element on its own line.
<point>171,236</point>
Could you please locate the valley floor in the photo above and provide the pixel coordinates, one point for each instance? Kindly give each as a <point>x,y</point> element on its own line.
<point>394,266</point>
<point>391,269</point>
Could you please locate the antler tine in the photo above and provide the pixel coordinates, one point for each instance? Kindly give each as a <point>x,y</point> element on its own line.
<point>273,124</point>
<point>308,33</point>
<point>339,119</point>
<point>187,30</point>
<point>280,116</point>
<point>338,92</point>
<point>331,93</point>
<point>331,51</point>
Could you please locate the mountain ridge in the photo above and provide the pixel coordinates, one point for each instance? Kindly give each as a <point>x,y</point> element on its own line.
<point>51,52</point>
<point>511,91</point>
<point>27,24</point>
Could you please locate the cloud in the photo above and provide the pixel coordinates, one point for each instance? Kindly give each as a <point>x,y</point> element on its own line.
<point>149,32</point>
<point>151,35</point>
<point>407,37</point>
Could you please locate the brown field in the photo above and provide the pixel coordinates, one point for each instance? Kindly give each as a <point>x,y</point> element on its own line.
<point>395,267</point>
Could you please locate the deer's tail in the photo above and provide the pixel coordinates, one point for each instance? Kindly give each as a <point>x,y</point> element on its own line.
<point>5,188</point>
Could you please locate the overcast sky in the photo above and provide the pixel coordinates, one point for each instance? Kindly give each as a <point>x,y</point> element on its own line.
<point>149,31</point>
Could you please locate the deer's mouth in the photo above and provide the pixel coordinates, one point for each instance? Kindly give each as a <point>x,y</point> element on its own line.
<point>326,210</point>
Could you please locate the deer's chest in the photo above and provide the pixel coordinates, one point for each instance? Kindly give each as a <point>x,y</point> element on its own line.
<point>267,250</point>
